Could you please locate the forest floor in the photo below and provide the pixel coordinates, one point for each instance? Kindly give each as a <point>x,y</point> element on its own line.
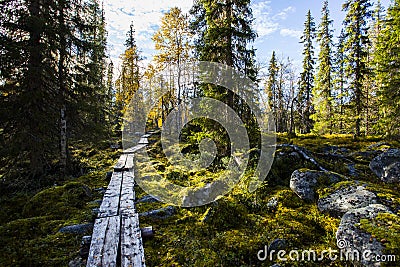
<point>229,232</point>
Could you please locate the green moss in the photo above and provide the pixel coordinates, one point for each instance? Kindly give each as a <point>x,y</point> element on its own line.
<point>325,191</point>
<point>60,201</point>
<point>385,227</point>
<point>388,194</point>
<point>30,220</point>
<point>12,207</point>
<point>36,242</point>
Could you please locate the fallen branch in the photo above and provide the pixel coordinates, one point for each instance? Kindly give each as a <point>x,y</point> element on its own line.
<point>303,152</point>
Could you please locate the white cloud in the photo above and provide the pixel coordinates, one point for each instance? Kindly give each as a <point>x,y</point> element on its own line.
<point>291,33</point>
<point>263,24</point>
<point>284,13</point>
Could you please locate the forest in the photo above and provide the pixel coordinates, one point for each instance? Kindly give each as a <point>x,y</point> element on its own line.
<point>64,106</point>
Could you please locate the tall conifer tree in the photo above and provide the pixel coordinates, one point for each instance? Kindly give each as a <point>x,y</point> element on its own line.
<point>306,83</point>
<point>323,87</point>
<point>356,45</point>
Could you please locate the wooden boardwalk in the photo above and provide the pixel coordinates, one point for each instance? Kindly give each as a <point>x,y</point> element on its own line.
<point>117,238</point>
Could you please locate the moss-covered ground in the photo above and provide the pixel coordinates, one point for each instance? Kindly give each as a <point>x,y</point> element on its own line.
<point>30,220</point>
<point>232,230</point>
<point>228,232</point>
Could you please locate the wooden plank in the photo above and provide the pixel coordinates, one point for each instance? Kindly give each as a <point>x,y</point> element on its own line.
<point>129,162</point>
<point>143,140</point>
<point>134,149</point>
<point>132,253</point>
<point>127,201</point>
<point>105,240</point>
<point>109,205</point>
<point>120,164</point>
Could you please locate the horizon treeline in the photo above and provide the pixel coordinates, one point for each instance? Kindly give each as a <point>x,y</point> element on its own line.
<point>349,87</point>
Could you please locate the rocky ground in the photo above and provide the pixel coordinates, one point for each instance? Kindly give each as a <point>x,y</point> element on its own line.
<point>321,194</point>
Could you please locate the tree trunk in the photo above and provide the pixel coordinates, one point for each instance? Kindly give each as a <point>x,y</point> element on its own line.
<point>63,140</point>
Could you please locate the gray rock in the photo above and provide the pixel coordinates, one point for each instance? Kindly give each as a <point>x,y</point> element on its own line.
<point>303,182</point>
<point>272,204</point>
<point>277,244</point>
<point>163,213</point>
<point>95,211</point>
<point>205,194</point>
<point>86,239</point>
<point>392,173</point>
<point>85,246</point>
<point>147,199</point>
<point>346,199</point>
<point>77,229</point>
<point>77,262</point>
<point>352,241</point>
<point>387,166</point>
<point>352,169</point>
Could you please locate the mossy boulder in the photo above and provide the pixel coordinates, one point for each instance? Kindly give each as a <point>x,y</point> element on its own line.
<point>59,201</point>
<point>303,182</point>
<point>387,166</point>
<point>346,199</point>
<point>351,238</point>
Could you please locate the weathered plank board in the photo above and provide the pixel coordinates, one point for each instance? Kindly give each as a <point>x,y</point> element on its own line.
<point>143,140</point>
<point>105,240</point>
<point>110,204</point>
<point>129,162</point>
<point>121,163</point>
<point>132,253</point>
<point>134,149</point>
<point>127,201</point>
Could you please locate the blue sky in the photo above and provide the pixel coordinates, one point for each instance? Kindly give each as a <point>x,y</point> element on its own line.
<point>279,24</point>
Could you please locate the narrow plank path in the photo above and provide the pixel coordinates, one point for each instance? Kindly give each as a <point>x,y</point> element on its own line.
<point>116,238</point>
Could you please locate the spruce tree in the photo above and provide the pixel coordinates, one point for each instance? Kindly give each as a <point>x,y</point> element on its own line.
<point>224,34</point>
<point>46,47</point>
<point>372,103</point>
<point>271,88</point>
<point>306,83</point>
<point>340,92</point>
<point>356,45</point>
<point>322,92</point>
<point>388,71</point>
